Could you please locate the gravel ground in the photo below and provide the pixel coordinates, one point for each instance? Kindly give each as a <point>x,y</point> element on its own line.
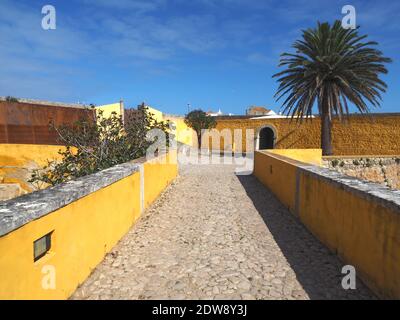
<point>215,235</point>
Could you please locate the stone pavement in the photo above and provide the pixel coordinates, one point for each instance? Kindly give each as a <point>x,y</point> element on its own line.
<point>215,235</point>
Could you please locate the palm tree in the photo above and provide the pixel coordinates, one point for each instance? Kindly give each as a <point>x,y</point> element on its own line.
<point>332,67</point>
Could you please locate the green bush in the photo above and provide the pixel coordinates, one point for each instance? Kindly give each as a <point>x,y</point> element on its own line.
<point>92,146</point>
<point>335,162</point>
<point>11,99</point>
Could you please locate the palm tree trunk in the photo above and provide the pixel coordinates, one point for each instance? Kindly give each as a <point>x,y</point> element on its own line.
<point>326,133</point>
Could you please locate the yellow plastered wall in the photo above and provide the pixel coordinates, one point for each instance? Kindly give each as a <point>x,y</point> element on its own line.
<point>311,156</point>
<point>83,232</point>
<point>183,133</point>
<point>158,173</point>
<point>157,114</point>
<point>17,161</point>
<point>268,170</point>
<point>108,109</point>
<point>359,135</point>
<point>361,230</point>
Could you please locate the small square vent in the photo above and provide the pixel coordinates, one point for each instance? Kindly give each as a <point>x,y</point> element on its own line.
<point>41,246</point>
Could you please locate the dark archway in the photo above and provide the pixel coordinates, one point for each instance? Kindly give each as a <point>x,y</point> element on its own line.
<point>267,137</point>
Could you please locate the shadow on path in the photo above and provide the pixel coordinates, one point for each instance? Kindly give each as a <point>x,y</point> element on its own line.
<point>316,268</point>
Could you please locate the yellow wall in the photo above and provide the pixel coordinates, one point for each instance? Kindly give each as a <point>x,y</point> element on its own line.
<point>17,161</point>
<point>83,232</point>
<point>108,109</point>
<point>157,114</point>
<point>359,135</point>
<point>269,170</point>
<point>157,173</point>
<point>363,231</point>
<point>311,156</point>
<point>183,133</point>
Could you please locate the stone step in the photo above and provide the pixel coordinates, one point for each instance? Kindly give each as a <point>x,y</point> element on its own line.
<point>10,191</point>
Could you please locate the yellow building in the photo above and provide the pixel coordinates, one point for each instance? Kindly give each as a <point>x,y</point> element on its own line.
<point>108,109</point>
<point>157,114</point>
<point>373,134</point>
<point>183,134</point>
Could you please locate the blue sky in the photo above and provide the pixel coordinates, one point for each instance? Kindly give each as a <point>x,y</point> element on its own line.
<point>209,53</point>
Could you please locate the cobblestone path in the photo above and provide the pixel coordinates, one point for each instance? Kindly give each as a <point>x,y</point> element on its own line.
<point>215,235</point>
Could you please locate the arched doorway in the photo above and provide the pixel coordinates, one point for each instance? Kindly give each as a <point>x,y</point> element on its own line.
<point>266,138</point>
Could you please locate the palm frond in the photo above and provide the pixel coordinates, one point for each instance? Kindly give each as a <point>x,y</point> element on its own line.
<point>331,67</point>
